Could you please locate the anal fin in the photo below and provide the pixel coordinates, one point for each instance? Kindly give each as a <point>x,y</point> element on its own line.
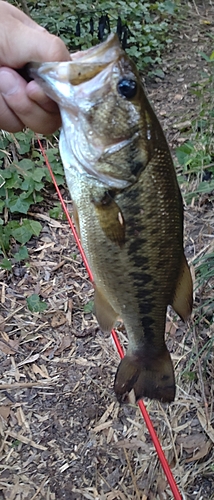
<point>104,312</point>
<point>182,300</point>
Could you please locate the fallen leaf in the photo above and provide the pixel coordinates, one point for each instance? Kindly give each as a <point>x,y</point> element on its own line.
<point>171,328</point>
<point>131,444</point>
<point>206,425</point>
<point>58,319</point>
<point>65,343</point>
<point>201,453</point>
<point>192,442</point>
<point>4,412</point>
<point>2,320</point>
<point>40,370</point>
<point>10,347</point>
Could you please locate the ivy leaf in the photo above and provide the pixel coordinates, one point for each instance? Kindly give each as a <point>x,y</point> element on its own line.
<point>38,174</point>
<point>19,205</point>
<point>22,254</point>
<point>35,304</point>
<point>28,228</point>
<point>89,307</point>
<point>6,264</point>
<point>26,165</point>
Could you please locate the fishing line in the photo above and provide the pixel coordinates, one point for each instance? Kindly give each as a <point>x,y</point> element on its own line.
<point>148,422</point>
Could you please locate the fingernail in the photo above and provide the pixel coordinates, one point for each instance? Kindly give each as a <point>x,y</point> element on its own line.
<point>8,82</point>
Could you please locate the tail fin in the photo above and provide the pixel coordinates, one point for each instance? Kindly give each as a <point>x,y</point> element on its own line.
<point>149,376</point>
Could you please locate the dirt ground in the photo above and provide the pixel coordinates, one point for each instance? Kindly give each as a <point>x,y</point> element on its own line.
<point>63,435</point>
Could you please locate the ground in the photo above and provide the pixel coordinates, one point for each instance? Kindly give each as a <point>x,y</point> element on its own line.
<point>63,434</point>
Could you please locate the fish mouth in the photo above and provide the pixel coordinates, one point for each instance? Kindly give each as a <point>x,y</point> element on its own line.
<point>84,65</point>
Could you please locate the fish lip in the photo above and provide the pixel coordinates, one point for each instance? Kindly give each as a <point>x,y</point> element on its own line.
<point>106,51</point>
<point>92,60</point>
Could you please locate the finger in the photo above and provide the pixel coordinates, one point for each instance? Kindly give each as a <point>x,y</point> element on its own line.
<point>21,42</point>
<point>35,93</point>
<point>6,9</point>
<point>26,111</point>
<point>8,120</point>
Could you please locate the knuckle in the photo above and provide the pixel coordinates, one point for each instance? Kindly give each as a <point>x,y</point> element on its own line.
<point>57,50</point>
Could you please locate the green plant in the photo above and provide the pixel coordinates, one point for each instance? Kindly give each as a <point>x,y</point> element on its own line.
<point>35,304</point>
<point>77,23</point>
<point>89,307</point>
<point>196,155</point>
<point>21,186</point>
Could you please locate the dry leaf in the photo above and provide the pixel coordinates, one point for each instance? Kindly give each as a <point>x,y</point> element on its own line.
<point>4,411</point>
<point>40,370</point>
<point>201,453</point>
<point>131,444</point>
<point>58,319</point>
<point>192,442</point>
<point>206,425</point>
<point>10,348</point>
<point>2,320</point>
<point>170,328</point>
<point>29,360</point>
<point>65,343</point>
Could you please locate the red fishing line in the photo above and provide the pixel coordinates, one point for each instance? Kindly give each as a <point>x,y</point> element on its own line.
<point>148,422</point>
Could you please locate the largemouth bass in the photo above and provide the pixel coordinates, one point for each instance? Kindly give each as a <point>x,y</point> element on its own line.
<point>127,207</point>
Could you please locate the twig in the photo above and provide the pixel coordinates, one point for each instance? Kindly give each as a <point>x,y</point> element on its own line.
<point>11,315</point>
<point>39,488</point>
<point>201,378</point>
<point>18,385</point>
<point>132,474</point>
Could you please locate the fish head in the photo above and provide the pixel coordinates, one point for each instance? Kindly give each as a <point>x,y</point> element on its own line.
<point>99,93</point>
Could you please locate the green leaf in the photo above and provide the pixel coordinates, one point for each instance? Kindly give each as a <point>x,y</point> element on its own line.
<point>35,304</point>
<point>56,211</point>
<point>204,56</point>
<point>24,140</point>
<point>184,152</point>
<point>35,226</point>
<point>19,205</point>
<point>28,228</point>
<point>22,254</point>
<point>38,174</point>
<point>6,264</point>
<point>89,307</point>
<point>14,181</point>
<point>26,165</point>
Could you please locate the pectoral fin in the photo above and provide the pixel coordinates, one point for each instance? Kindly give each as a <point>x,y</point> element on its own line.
<point>111,219</point>
<point>149,374</point>
<point>104,312</point>
<point>182,301</point>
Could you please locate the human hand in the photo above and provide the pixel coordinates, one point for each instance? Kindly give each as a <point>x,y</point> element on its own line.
<point>21,103</point>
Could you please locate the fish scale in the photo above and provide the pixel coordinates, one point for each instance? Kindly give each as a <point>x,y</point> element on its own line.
<point>127,207</point>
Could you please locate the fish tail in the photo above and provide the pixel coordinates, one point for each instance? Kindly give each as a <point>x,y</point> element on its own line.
<point>149,374</point>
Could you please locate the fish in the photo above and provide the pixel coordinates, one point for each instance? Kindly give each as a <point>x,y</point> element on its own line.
<point>128,208</point>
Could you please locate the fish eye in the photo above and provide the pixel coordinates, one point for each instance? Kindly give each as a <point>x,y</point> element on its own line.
<point>127,88</point>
